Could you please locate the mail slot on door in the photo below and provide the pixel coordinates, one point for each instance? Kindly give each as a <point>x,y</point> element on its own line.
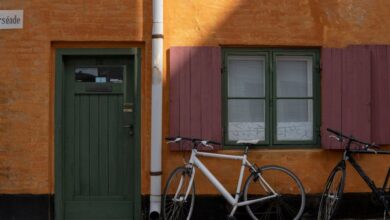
<point>128,107</point>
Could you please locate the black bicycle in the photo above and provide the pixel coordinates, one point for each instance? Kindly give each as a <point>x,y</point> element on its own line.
<point>335,184</point>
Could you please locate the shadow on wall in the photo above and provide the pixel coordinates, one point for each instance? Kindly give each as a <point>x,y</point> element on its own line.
<point>244,23</point>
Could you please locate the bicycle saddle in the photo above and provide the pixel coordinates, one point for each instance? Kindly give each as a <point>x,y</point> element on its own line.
<point>248,142</point>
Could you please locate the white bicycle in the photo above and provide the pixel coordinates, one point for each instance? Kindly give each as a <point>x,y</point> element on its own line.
<point>270,192</point>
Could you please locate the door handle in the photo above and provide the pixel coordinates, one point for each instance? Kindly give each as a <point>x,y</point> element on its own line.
<point>131,129</point>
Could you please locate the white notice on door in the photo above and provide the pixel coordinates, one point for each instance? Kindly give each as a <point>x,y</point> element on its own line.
<point>11,19</point>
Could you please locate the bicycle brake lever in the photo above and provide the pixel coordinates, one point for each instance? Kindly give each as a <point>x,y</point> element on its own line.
<point>174,141</point>
<point>204,143</point>
<point>210,146</point>
<point>336,137</point>
<point>371,150</point>
<point>374,145</point>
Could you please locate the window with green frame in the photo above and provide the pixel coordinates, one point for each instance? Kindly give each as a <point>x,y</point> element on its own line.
<point>271,95</point>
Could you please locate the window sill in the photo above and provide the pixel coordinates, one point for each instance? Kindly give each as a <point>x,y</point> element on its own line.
<point>274,147</point>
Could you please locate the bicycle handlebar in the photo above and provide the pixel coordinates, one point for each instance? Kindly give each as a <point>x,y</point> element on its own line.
<point>339,137</point>
<point>195,141</point>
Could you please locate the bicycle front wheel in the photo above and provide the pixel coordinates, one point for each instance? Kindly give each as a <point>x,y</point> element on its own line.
<point>332,194</point>
<point>176,203</point>
<point>289,201</point>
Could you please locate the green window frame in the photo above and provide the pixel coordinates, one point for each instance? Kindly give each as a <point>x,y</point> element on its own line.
<point>268,104</point>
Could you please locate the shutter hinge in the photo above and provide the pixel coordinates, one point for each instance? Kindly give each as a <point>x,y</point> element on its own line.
<point>319,68</point>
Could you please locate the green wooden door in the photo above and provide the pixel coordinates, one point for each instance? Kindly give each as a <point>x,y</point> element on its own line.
<point>98,160</point>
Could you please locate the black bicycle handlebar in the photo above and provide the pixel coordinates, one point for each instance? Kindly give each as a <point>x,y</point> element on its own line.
<point>340,137</point>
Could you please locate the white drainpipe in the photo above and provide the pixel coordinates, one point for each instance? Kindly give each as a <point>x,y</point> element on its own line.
<point>157,96</point>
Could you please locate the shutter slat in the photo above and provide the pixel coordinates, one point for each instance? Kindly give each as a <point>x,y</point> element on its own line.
<point>179,80</point>
<point>332,69</point>
<point>198,65</point>
<point>211,96</point>
<point>388,91</point>
<point>380,95</point>
<point>356,93</point>
<point>185,97</point>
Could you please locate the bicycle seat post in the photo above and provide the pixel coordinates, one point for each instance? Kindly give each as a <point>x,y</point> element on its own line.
<point>246,150</point>
<point>349,144</point>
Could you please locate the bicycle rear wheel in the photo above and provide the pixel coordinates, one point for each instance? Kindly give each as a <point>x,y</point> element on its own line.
<point>175,204</point>
<point>332,194</point>
<point>289,202</point>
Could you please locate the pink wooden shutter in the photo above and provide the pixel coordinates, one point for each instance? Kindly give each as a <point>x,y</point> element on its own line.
<point>380,81</point>
<point>346,93</point>
<point>195,93</point>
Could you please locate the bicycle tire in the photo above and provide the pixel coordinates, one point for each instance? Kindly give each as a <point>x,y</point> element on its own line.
<point>289,204</point>
<point>177,208</point>
<point>387,200</point>
<point>332,194</point>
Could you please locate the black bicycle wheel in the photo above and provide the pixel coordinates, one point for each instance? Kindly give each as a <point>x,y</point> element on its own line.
<point>174,204</point>
<point>387,196</point>
<point>386,215</point>
<point>289,202</point>
<point>332,194</point>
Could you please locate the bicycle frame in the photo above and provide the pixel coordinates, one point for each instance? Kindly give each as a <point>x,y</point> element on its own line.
<point>234,201</point>
<point>348,155</point>
<point>367,148</point>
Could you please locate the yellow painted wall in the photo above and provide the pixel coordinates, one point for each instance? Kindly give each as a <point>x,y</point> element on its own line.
<point>27,70</point>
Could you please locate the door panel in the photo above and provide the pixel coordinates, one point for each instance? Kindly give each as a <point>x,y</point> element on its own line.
<point>98,210</point>
<point>98,145</point>
<point>98,163</point>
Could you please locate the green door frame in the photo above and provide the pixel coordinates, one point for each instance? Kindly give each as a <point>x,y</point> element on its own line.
<point>58,117</point>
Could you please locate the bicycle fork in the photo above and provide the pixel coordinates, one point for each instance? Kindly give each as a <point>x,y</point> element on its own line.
<point>191,169</point>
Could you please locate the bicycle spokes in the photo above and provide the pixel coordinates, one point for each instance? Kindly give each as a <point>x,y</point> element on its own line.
<point>283,193</point>
<point>332,193</point>
<point>178,196</point>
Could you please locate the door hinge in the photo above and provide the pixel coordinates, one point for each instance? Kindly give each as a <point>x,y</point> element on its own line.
<point>318,131</point>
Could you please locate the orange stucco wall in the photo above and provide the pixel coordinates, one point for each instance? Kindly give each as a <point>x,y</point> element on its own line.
<point>285,23</point>
<point>332,23</point>
<point>27,70</point>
